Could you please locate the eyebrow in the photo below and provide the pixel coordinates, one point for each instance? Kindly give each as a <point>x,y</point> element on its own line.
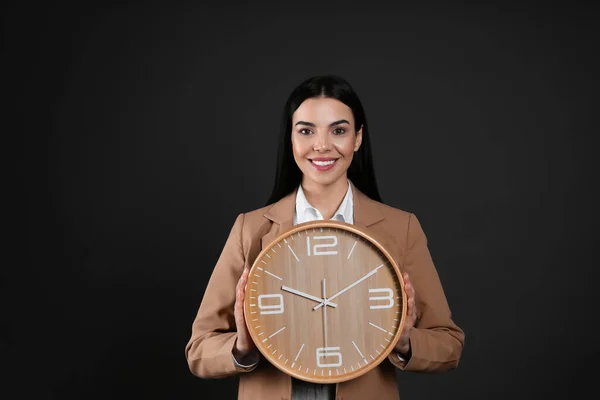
<point>341,121</point>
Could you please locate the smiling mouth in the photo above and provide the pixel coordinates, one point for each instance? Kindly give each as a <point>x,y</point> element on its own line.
<point>323,163</point>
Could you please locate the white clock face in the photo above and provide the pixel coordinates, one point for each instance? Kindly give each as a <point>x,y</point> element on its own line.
<point>324,304</point>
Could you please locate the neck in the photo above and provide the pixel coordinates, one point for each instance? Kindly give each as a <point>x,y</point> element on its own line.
<point>326,198</point>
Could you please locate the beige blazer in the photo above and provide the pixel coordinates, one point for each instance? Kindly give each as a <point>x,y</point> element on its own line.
<point>436,342</point>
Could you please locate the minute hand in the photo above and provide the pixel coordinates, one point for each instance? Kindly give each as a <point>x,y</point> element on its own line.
<point>349,287</point>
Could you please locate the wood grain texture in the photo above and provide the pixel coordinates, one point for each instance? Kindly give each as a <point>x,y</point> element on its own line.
<point>360,331</point>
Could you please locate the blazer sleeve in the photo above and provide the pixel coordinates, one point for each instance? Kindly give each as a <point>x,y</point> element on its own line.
<point>436,341</point>
<point>209,350</point>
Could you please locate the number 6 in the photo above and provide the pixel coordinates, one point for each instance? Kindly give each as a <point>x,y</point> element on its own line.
<point>329,352</point>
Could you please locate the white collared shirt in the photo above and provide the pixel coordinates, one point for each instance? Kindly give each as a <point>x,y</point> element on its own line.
<point>305,212</point>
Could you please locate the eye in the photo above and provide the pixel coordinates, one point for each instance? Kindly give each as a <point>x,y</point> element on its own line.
<point>339,131</point>
<point>305,131</point>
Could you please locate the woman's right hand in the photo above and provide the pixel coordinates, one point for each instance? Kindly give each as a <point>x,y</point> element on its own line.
<point>244,346</point>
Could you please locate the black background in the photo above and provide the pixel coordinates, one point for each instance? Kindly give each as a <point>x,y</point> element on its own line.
<point>148,127</point>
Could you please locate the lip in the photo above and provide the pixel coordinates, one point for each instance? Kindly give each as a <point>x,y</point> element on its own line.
<point>323,167</point>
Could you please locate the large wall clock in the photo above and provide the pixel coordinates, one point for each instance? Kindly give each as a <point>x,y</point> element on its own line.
<point>325,302</point>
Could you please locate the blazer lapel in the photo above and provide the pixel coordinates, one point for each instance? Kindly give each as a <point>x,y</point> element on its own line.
<point>282,216</point>
<point>367,213</point>
<point>366,210</point>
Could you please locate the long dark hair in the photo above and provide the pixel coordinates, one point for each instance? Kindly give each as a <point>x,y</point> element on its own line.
<point>361,172</point>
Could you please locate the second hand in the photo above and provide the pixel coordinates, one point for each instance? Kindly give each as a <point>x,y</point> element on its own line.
<point>325,312</point>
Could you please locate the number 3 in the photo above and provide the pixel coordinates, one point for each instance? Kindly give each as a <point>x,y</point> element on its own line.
<point>389,298</point>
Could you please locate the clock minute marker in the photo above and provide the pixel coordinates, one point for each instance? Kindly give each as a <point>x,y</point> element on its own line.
<point>276,333</point>
<point>272,274</point>
<point>359,352</point>
<point>378,327</point>
<point>290,247</point>
<point>351,250</point>
<point>299,351</point>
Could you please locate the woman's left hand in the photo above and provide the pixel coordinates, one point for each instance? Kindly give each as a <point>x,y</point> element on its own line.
<point>403,345</point>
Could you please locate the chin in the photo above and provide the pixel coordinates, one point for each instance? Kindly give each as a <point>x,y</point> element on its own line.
<point>324,180</point>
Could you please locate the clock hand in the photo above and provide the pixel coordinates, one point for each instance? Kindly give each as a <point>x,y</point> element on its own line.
<point>347,287</point>
<point>324,312</point>
<point>308,296</point>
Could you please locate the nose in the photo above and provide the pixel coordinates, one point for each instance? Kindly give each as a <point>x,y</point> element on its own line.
<point>322,142</point>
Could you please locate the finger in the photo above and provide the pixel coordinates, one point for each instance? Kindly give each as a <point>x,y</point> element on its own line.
<point>411,307</point>
<point>242,281</point>
<point>239,291</point>
<point>408,287</point>
<point>243,276</point>
<point>405,278</point>
<point>237,285</point>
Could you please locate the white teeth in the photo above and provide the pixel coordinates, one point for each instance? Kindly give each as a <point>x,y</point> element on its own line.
<point>323,163</point>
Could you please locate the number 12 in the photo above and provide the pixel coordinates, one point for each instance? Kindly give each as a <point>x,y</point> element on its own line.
<point>316,249</point>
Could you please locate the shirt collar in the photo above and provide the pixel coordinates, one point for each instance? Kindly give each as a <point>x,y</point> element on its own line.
<point>305,212</point>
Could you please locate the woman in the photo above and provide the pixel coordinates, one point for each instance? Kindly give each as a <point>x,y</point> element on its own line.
<point>324,171</point>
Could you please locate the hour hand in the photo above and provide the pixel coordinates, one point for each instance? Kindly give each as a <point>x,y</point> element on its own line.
<point>308,296</point>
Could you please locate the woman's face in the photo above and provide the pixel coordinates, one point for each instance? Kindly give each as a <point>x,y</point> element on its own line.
<point>324,140</point>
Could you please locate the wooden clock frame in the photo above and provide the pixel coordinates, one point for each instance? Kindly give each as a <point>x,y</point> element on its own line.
<point>262,339</point>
